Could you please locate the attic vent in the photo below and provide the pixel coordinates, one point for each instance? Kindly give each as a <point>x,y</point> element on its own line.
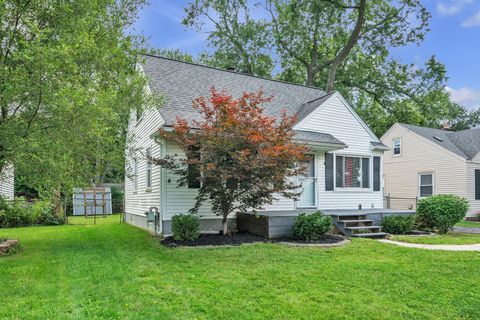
<point>437,138</point>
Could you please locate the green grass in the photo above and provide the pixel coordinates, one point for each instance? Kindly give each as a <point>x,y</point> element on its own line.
<point>115,271</point>
<point>469,224</point>
<point>450,238</point>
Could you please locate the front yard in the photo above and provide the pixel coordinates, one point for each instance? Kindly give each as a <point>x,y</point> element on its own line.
<point>449,238</point>
<point>115,271</point>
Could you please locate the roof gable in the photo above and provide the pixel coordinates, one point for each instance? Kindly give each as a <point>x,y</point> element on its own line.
<point>462,143</point>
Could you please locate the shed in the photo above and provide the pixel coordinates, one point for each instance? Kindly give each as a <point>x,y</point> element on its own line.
<point>92,201</point>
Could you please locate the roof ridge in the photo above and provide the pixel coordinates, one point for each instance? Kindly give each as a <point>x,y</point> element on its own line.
<point>234,72</point>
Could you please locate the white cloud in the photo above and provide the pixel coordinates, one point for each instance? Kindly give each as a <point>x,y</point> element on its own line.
<point>473,21</point>
<point>465,96</point>
<point>452,7</point>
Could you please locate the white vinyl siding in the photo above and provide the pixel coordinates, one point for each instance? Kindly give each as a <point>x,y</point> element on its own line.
<point>139,200</point>
<point>7,182</point>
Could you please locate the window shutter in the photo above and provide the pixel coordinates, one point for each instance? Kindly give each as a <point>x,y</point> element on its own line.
<point>328,172</point>
<point>365,173</point>
<point>477,184</point>
<point>376,173</point>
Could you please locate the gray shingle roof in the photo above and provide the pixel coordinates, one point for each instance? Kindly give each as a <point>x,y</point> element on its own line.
<point>317,137</point>
<point>181,82</point>
<point>464,143</point>
<point>308,107</point>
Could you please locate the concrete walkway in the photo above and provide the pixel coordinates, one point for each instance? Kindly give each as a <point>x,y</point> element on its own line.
<point>466,230</point>
<point>447,247</point>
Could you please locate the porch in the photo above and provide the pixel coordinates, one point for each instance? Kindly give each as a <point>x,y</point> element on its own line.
<point>351,222</point>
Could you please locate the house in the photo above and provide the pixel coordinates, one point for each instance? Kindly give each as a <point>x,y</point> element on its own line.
<point>344,168</point>
<point>6,182</point>
<point>424,161</point>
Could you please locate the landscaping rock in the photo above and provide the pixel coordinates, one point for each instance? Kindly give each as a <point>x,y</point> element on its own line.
<point>8,246</point>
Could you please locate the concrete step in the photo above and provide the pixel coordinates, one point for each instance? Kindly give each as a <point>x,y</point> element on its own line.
<point>360,220</point>
<point>370,235</point>
<point>363,227</point>
<point>351,217</point>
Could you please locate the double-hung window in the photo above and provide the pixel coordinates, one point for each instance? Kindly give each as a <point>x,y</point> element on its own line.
<point>397,147</point>
<point>194,173</point>
<point>425,181</point>
<point>148,169</point>
<point>352,172</point>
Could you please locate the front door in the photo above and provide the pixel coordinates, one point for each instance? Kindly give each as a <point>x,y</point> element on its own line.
<point>308,184</point>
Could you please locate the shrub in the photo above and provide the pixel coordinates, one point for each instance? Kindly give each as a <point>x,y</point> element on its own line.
<point>16,214</point>
<point>441,212</point>
<point>43,214</point>
<point>185,227</point>
<point>398,224</point>
<point>311,227</point>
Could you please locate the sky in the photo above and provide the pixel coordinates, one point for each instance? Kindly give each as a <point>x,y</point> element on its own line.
<point>454,39</point>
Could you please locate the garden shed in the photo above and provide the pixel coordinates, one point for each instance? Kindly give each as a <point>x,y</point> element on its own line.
<point>92,201</point>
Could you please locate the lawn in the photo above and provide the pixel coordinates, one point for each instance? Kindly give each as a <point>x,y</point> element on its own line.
<point>468,224</point>
<point>450,238</point>
<point>115,271</point>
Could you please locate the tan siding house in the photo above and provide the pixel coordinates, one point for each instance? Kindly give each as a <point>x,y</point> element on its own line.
<point>424,161</point>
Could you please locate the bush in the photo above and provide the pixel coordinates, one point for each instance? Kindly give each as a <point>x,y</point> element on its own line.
<point>311,227</point>
<point>43,214</point>
<point>185,227</point>
<point>398,224</point>
<point>441,212</point>
<point>15,214</point>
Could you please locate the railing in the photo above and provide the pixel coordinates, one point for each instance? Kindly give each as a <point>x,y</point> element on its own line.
<point>401,203</point>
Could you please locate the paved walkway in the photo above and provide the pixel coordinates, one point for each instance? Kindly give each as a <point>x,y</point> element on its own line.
<point>447,247</point>
<point>466,230</point>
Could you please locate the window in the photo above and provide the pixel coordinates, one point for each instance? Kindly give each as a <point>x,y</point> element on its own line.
<point>425,184</point>
<point>148,180</point>
<point>397,147</point>
<point>352,172</point>
<point>135,174</point>
<point>193,169</point>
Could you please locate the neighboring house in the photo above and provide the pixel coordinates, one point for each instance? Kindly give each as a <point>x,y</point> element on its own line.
<point>424,161</point>
<point>6,182</point>
<point>344,169</point>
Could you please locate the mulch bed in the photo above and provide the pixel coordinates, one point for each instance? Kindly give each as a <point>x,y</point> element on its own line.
<point>212,240</point>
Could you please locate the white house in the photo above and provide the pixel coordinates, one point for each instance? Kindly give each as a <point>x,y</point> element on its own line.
<point>6,182</point>
<point>345,167</point>
<point>426,161</point>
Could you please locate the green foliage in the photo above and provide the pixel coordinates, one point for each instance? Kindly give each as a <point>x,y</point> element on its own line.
<point>441,212</point>
<point>67,84</point>
<point>398,224</point>
<point>17,213</point>
<point>43,212</point>
<point>311,227</point>
<point>20,213</point>
<point>185,227</point>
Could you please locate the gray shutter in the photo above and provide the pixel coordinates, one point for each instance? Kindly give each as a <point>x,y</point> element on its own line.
<point>477,184</point>
<point>328,172</point>
<point>365,173</point>
<point>376,173</point>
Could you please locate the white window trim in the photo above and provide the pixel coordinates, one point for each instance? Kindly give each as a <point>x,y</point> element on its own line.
<point>135,175</point>
<point>393,147</point>
<point>420,174</point>
<point>370,173</point>
<point>148,170</point>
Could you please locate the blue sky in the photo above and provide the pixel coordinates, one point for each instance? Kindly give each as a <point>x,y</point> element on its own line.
<point>454,38</point>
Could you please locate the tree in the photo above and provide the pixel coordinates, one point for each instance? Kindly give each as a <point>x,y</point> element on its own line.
<point>67,83</point>
<point>239,156</point>
<point>240,41</point>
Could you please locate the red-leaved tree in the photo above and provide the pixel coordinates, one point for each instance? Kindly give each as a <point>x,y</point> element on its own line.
<point>238,157</point>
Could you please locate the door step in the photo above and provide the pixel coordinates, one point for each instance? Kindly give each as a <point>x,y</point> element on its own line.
<point>370,235</point>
